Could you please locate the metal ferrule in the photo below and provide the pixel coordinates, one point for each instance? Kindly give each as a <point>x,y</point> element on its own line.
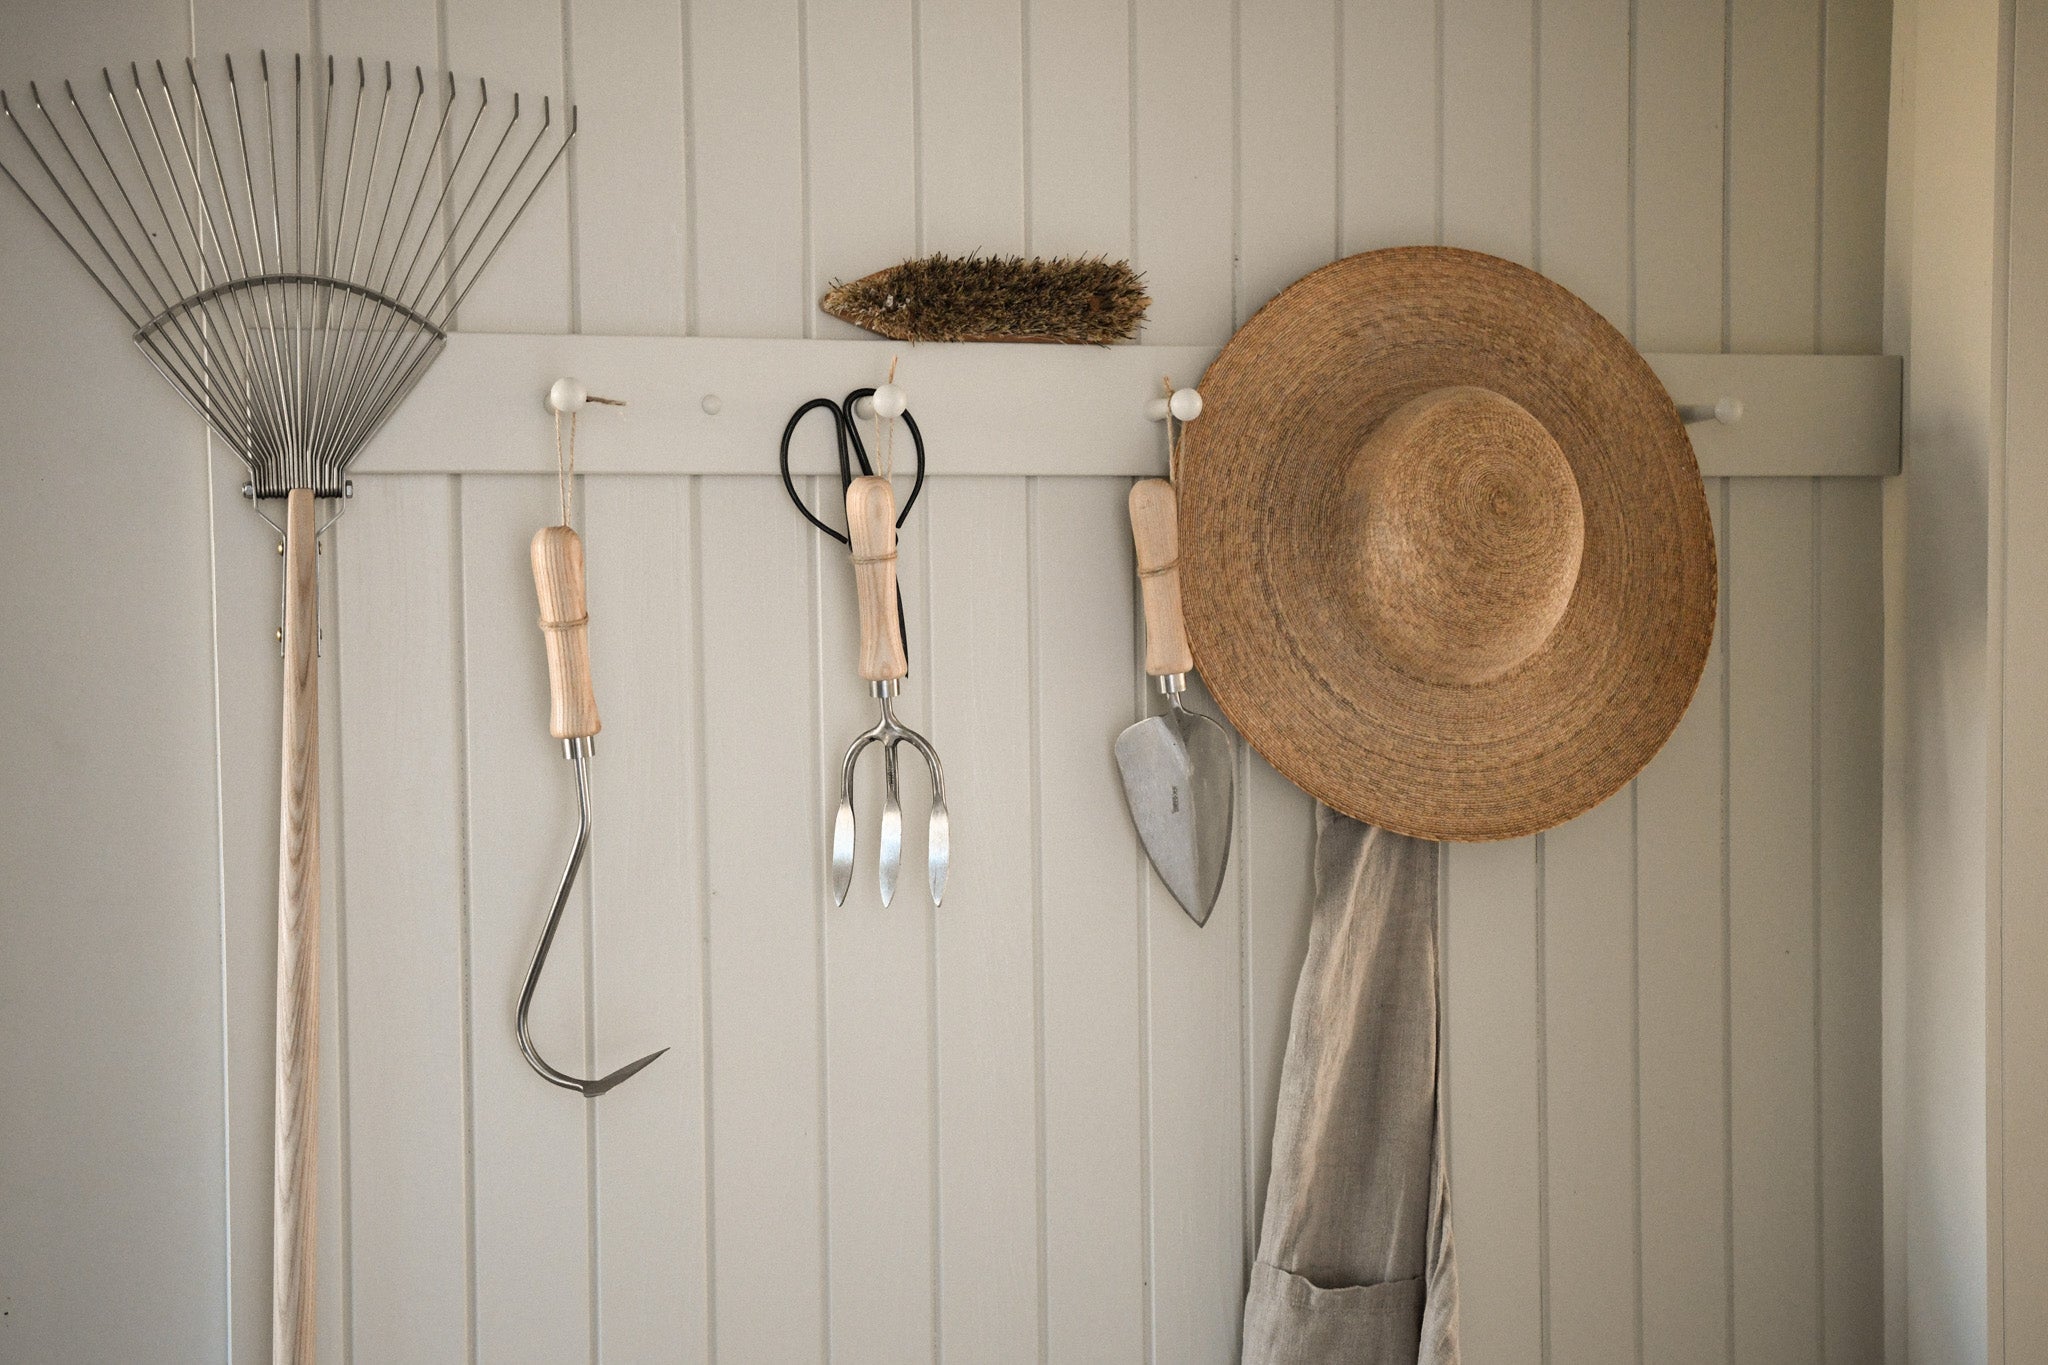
<point>886,687</point>
<point>1172,684</point>
<point>582,746</point>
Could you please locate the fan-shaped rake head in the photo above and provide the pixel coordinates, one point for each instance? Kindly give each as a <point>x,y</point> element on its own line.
<point>289,248</point>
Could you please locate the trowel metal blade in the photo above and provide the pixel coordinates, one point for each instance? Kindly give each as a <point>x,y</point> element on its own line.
<point>1179,780</point>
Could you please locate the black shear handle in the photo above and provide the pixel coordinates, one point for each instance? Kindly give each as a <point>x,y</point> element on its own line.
<point>846,430</point>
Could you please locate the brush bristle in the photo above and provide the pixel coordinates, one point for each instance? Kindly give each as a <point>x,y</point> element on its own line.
<point>1082,300</point>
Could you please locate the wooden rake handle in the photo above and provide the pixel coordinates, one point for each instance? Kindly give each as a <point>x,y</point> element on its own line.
<point>298,948</point>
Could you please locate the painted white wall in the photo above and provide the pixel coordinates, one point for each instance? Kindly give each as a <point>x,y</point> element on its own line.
<point>2020,1155</point>
<point>1966,923</point>
<point>1033,1124</point>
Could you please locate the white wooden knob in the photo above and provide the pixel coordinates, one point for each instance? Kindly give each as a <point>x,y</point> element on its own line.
<point>1184,406</point>
<point>888,401</point>
<point>1726,411</point>
<point>567,395</point>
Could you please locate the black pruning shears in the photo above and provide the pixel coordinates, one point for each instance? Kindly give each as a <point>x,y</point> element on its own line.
<point>852,452</point>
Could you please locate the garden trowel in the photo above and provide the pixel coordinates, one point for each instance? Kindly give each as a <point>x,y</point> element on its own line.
<point>1177,766</point>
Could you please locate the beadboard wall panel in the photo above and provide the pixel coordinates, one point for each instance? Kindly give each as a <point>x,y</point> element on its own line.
<point>1032,1124</point>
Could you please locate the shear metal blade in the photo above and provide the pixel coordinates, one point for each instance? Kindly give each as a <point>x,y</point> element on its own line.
<point>1179,781</point>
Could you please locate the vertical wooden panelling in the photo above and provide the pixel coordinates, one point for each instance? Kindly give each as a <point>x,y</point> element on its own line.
<point>114,981</point>
<point>746,172</point>
<point>974,161</point>
<point>1276,849</point>
<point>1287,147</point>
<point>978,666</point>
<point>1582,151</point>
<point>530,1140</point>
<point>1489,136</point>
<point>1771,884</point>
<point>1182,166</point>
<point>1848,717</point>
<point>1289,174</point>
<point>1096,1186</point>
<point>1589,1096</point>
<point>1773,251</point>
<point>1387,136</point>
<point>1195,1059</point>
<point>860,135</point>
<point>1681,910</point>
<point>1856,87</point>
<point>408,1131</point>
<point>517,44</point>
<point>1493,896</point>
<point>1492,1047</point>
<point>1588,910</point>
<point>1078,70</point>
<point>878,985</point>
<point>646,968</point>
<point>763,863</point>
<point>628,202</point>
<point>1679,113</point>
<point>1681,987</point>
<point>1774,76</point>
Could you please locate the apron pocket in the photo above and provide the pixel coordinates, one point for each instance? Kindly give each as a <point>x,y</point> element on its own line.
<point>1290,1321</point>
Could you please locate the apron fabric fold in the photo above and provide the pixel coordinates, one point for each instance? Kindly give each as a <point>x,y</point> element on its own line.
<point>1355,1261</point>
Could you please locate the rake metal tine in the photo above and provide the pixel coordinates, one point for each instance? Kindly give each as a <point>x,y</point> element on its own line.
<point>397,392</point>
<point>268,328</point>
<point>533,190</point>
<point>113,266</point>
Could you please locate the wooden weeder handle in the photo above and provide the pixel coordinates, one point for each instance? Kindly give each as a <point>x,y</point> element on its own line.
<point>565,623</point>
<point>298,948</point>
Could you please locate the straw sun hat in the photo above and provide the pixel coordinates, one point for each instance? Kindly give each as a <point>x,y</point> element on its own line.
<point>1445,548</point>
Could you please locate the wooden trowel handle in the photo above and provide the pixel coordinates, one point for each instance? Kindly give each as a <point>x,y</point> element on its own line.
<point>871,529</point>
<point>565,624</point>
<point>1155,532</point>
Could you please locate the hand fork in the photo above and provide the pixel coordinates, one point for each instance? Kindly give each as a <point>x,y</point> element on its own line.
<point>871,530</point>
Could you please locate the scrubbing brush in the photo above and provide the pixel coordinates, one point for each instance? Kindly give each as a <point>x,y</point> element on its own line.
<point>1079,300</point>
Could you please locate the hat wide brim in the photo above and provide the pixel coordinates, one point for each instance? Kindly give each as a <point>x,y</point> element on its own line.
<point>1268,549</point>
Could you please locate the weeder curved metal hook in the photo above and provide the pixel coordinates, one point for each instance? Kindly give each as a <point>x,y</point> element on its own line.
<point>578,751</point>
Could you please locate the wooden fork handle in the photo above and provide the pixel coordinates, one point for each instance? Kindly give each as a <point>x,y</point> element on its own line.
<point>871,529</point>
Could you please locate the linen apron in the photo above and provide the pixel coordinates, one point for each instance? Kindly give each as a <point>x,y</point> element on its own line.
<point>1355,1258</point>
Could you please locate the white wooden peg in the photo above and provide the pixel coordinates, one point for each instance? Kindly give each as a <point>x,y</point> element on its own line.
<point>888,400</point>
<point>568,395</point>
<point>1726,411</point>
<point>1184,406</point>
